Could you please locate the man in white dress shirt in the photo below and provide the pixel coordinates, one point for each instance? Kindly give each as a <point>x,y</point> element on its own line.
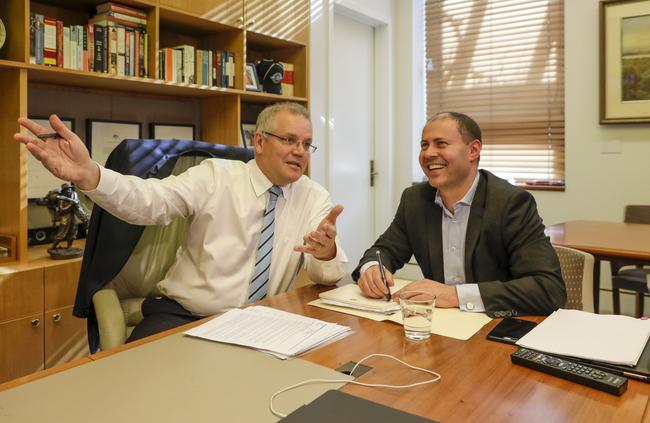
<point>226,202</point>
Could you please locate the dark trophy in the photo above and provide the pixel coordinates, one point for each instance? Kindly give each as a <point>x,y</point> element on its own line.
<point>66,210</point>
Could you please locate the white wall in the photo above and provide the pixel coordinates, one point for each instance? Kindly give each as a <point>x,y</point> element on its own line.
<point>598,185</point>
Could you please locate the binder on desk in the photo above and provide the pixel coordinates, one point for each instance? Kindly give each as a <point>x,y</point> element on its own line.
<point>339,407</point>
<point>639,372</point>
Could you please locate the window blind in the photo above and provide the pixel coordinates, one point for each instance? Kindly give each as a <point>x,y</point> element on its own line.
<point>502,63</point>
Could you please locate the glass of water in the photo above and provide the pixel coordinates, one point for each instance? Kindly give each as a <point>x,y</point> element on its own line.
<point>417,314</point>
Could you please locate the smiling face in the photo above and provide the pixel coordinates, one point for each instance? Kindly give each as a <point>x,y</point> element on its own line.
<point>281,163</point>
<point>449,161</point>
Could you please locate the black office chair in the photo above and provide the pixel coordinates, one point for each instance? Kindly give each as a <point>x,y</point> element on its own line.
<point>636,278</point>
<point>122,262</point>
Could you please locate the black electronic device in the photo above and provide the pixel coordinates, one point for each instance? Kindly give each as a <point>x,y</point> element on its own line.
<point>509,330</point>
<point>337,406</point>
<point>570,370</point>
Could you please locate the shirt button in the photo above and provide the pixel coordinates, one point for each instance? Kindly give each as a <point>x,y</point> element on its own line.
<point>469,306</point>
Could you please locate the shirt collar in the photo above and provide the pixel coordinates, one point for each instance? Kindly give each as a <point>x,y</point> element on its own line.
<point>467,198</point>
<point>261,183</point>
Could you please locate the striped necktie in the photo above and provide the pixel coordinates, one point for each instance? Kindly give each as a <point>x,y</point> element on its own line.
<point>260,282</point>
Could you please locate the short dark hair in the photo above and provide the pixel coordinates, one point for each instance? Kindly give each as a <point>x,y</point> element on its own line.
<point>467,127</point>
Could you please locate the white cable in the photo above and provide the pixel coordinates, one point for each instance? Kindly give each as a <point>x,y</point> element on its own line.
<point>436,378</point>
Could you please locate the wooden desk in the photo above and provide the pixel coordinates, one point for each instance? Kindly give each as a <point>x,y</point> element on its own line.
<point>605,241</point>
<point>479,383</point>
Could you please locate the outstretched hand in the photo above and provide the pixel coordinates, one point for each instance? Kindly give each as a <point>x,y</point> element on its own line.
<point>65,156</point>
<point>321,243</point>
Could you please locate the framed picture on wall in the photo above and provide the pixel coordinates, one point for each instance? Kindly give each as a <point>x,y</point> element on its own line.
<point>624,61</point>
<point>247,133</point>
<point>104,135</point>
<point>39,180</point>
<point>168,131</point>
<point>252,82</point>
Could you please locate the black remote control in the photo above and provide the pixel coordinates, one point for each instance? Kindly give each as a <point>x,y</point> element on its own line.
<point>569,370</point>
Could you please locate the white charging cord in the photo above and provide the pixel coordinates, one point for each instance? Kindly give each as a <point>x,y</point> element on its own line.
<point>436,378</point>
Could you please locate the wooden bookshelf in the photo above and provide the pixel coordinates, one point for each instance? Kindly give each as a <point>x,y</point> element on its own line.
<point>252,29</point>
<point>37,329</point>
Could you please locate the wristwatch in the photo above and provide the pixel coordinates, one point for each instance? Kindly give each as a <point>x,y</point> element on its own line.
<point>3,33</point>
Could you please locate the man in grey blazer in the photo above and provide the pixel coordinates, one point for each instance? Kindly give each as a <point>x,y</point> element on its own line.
<point>479,241</point>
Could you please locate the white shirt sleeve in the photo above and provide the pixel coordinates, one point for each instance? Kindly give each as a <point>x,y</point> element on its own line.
<point>469,298</point>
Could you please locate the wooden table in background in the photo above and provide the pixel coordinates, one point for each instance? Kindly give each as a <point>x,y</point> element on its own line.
<point>605,241</point>
<point>479,383</point>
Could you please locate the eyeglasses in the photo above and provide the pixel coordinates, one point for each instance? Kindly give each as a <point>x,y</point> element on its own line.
<point>292,142</point>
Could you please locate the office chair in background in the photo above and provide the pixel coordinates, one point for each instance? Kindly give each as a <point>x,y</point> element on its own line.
<point>634,279</point>
<point>577,271</point>
<point>123,263</point>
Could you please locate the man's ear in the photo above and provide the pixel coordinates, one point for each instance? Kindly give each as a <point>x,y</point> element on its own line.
<point>257,143</point>
<point>475,147</point>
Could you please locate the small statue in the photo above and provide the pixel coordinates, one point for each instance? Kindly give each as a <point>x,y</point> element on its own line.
<point>66,210</point>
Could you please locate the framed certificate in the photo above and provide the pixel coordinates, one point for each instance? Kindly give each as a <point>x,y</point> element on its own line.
<point>104,135</point>
<point>169,131</point>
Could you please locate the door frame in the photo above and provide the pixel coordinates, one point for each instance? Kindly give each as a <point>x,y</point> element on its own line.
<point>322,65</point>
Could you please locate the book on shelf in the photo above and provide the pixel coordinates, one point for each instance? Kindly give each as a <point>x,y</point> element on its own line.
<point>100,39</point>
<point>113,21</point>
<point>287,79</point>
<point>111,6</point>
<point>49,41</point>
<point>121,17</point>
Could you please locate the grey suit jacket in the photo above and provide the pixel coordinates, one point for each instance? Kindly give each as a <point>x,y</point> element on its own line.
<point>506,250</point>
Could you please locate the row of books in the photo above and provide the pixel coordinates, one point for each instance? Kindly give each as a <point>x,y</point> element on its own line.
<point>102,45</point>
<point>188,64</point>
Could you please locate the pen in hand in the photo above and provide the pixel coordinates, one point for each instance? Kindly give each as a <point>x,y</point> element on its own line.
<point>46,136</point>
<point>383,275</point>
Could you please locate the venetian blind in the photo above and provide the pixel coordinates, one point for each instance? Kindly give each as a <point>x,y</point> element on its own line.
<point>502,63</point>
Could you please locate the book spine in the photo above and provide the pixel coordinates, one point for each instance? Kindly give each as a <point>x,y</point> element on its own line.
<point>112,50</point>
<point>215,60</point>
<point>66,47</point>
<point>100,32</point>
<point>59,43</point>
<point>219,70</point>
<point>39,39</point>
<point>145,53</point>
<point>169,65</point>
<point>287,80</point>
<point>127,53</point>
<point>91,47</point>
<point>112,21</point>
<point>224,69</point>
<point>132,53</point>
<point>121,51</point>
<point>84,50</point>
<point>49,43</point>
<point>136,54</point>
<point>32,38</point>
<point>231,69</point>
<point>80,47</point>
<point>128,18</point>
<point>120,8</point>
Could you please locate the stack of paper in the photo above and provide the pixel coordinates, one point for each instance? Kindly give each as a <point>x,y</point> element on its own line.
<point>267,329</point>
<point>449,322</point>
<point>350,296</point>
<point>597,337</point>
